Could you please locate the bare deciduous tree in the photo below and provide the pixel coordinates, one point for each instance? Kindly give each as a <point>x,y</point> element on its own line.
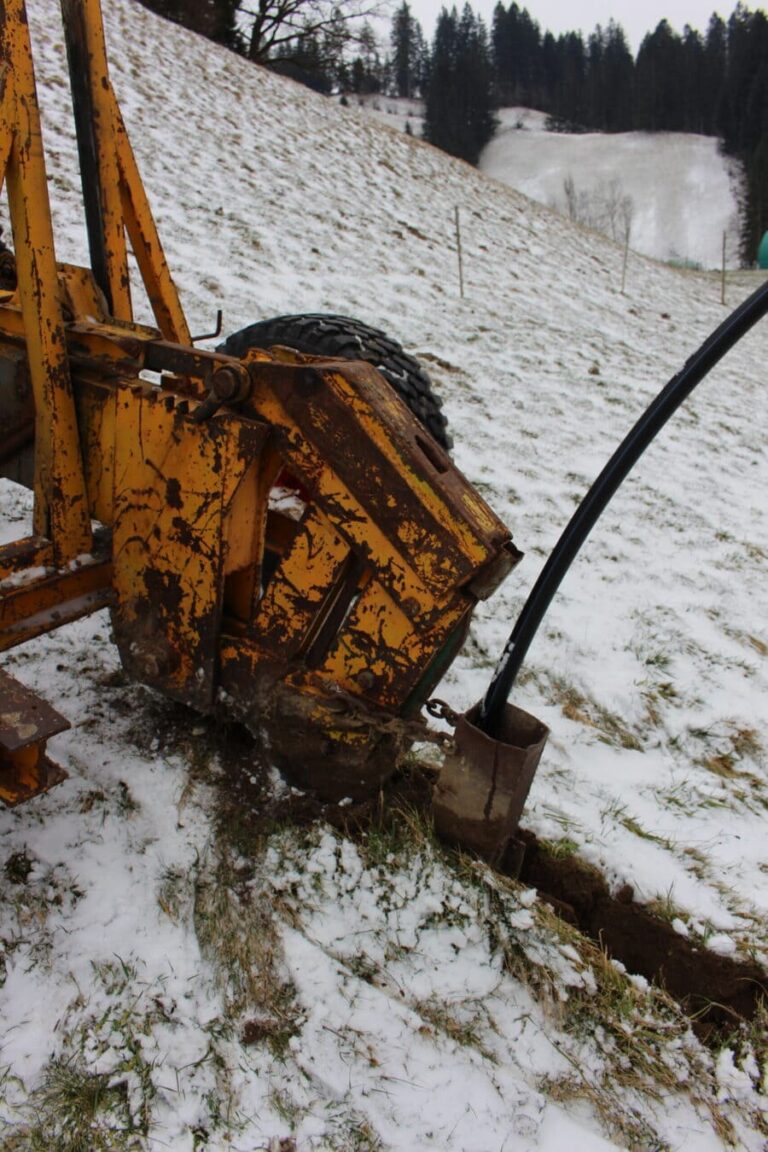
<point>274,27</point>
<point>605,207</point>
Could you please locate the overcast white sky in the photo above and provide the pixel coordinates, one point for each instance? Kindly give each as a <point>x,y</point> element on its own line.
<point>563,16</point>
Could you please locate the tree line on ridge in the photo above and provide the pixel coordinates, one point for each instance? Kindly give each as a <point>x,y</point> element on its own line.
<point>714,84</point>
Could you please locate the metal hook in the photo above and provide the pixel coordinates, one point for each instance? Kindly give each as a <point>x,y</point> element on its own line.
<point>211,335</point>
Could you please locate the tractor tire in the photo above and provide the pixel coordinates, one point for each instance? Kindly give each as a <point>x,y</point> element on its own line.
<point>347,339</point>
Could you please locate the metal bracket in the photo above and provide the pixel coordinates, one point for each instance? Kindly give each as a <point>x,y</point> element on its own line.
<point>26,723</point>
<point>215,333</point>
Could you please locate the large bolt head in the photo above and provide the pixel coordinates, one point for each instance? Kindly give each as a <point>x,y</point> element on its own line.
<point>231,383</point>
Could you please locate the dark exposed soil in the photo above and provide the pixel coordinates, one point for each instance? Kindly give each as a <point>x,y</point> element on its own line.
<point>716,991</point>
<point>249,808</point>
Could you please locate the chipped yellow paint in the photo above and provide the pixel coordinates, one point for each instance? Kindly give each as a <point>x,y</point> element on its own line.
<point>293,607</point>
<point>30,552</point>
<point>173,481</point>
<point>97,411</point>
<point>61,512</point>
<point>478,519</point>
<point>50,598</point>
<point>421,565</point>
<point>381,654</point>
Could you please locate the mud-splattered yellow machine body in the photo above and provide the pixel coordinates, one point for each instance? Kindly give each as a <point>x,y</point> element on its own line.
<point>160,473</point>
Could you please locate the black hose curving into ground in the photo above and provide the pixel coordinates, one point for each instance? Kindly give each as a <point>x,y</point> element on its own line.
<point>596,500</point>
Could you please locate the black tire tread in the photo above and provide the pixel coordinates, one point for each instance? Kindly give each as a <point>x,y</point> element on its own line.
<point>321,334</point>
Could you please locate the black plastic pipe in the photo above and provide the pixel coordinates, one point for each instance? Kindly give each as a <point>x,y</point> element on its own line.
<point>596,500</point>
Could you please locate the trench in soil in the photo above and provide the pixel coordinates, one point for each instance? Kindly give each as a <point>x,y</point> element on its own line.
<point>717,992</point>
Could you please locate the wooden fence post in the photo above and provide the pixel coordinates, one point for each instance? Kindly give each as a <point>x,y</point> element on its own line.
<point>458,249</point>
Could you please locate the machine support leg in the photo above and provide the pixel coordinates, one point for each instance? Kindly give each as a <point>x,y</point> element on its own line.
<point>26,723</point>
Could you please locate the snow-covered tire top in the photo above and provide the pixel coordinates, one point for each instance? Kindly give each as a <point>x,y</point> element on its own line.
<point>318,334</point>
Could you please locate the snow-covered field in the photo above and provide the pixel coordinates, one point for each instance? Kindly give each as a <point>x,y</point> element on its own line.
<point>684,191</point>
<point>171,978</point>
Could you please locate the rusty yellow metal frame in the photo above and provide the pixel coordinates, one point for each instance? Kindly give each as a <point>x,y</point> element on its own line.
<point>26,723</point>
<point>61,513</point>
<point>312,622</point>
<point>124,207</point>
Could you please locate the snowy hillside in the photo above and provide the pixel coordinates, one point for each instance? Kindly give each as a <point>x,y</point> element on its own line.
<point>684,190</point>
<point>185,961</point>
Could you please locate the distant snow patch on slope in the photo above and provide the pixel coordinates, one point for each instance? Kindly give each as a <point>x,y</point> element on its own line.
<point>683,188</point>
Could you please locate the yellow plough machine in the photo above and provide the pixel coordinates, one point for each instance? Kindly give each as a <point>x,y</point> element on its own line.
<point>323,621</point>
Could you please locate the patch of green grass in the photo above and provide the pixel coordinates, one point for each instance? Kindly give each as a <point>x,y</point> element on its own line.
<point>583,709</point>
<point>286,1107</point>
<point>235,927</point>
<point>454,1021</point>
<point>659,659</point>
<point>664,907</point>
<point>96,1093</point>
<point>635,827</point>
<point>395,835</point>
<point>560,849</point>
<point>567,823</point>
<point>613,811</point>
<point>77,1110</point>
<point>33,895</point>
